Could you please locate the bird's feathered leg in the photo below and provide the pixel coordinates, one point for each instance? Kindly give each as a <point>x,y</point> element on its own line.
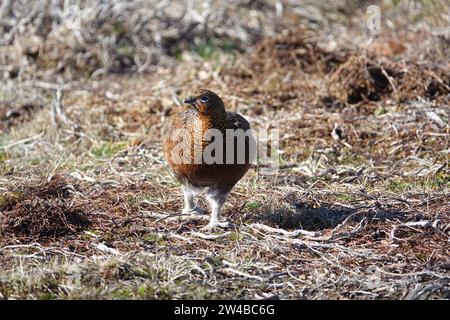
<point>216,199</point>
<point>189,203</point>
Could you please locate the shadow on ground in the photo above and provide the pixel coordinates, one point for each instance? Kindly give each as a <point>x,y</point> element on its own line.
<point>327,216</point>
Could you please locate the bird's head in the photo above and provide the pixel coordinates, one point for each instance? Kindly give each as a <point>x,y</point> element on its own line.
<point>206,103</point>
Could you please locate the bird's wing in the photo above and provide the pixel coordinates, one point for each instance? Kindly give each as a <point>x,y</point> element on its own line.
<point>236,121</point>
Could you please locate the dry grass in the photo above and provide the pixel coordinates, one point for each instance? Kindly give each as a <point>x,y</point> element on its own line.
<point>359,208</point>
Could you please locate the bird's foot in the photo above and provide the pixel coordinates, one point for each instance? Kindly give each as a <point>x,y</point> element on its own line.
<point>213,225</point>
<point>195,210</point>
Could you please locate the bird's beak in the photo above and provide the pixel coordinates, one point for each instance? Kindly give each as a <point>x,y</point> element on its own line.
<point>190,101</point>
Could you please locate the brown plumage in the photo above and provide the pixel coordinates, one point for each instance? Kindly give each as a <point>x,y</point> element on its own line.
<point>193,151</point>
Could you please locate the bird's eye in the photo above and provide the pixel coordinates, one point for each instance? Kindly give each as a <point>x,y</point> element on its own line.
<point>204,98</point>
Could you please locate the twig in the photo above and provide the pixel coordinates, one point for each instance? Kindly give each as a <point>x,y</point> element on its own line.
<point>22,141</point>
<point>210,236</point>
<point>104,248</point>
<point>291,234</point>
<point>242,274</point>
<point>423,224</point>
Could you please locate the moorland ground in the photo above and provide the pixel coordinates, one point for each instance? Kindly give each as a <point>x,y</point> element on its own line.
<point>359,207</point>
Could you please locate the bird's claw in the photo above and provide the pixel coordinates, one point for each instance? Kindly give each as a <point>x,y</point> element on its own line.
<point>213,225</point>
<point>195,210</point>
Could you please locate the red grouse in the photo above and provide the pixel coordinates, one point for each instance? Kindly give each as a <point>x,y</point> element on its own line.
<point>209,150</point>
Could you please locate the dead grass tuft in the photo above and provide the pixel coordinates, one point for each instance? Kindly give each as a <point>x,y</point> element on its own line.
<point>365,78</point>
<point>43,212</point>
<point>295,48</point>
<point>13,114</point>
<point>40,219</point>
